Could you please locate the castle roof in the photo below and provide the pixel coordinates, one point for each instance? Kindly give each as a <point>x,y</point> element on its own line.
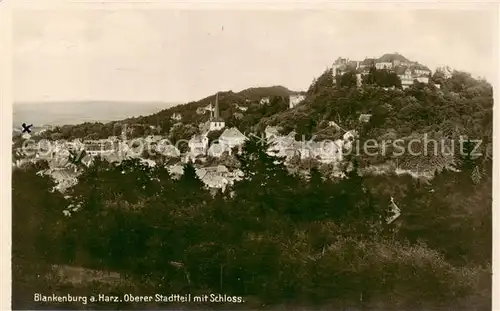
<point>420,67</point>
<point>390,57</point>
<point>368,61</point>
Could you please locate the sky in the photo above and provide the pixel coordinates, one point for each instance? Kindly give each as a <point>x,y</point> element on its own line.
<point>185,55</point>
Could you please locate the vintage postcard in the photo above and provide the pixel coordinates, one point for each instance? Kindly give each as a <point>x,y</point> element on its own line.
<point>239,156</point>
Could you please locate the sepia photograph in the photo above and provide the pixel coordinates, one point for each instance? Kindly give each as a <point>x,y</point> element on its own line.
<point>261,158</point>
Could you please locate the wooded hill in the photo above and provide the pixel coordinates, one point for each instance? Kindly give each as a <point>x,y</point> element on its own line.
<point>229,102</point>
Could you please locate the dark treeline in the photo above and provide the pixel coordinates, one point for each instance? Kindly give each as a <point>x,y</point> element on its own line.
<point>273,238</point>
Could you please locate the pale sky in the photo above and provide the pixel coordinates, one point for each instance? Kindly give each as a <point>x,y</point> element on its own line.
<point>179,56</point>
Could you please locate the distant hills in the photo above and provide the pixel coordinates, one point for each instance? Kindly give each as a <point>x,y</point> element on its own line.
<point>97,119</point>
<point>62,113</point>
<point>77,112</point>
<point>254,93</point>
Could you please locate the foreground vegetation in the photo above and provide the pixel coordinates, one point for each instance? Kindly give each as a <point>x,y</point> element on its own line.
<point>278,239</point>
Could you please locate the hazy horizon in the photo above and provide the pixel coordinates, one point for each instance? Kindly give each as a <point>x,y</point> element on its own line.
<point>115,101</point>
<point>60,113</point>
<point>179,56</point>
<point>96,100</point>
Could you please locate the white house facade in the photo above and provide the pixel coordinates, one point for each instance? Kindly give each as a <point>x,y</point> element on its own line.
<point>383,65</point>
<point>198,145</point>
<point>231,138</point>
<point>295,100</point>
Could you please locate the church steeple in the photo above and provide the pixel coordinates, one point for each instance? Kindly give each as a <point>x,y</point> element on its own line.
<point>216,112</point>
<point>216,123</point>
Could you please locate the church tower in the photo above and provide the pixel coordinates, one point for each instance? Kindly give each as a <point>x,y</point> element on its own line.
<point>216,122</point>
<point>216,112</point>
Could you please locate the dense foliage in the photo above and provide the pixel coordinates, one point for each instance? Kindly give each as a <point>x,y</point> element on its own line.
<point>277,237</point>
<point>462,104</point>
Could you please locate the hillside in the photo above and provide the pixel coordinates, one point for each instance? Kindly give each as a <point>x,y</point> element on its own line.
<point>229,102</point>
<point>448,107</point>
<point>255,93</point>
<point>462,101</point>
<point>463,106</point>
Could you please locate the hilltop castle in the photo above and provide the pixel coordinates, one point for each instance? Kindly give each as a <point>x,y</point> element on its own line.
<point>406,70</point>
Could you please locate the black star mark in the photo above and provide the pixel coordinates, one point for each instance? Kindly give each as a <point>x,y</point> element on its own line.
<point>26,128</point>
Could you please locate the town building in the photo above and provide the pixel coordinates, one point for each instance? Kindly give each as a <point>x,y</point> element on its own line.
<point>406,70</point>
<point>446,71</point>
<point>364,117</point>
<point>423,79</point>
<point>422,71</point>
<point>339,67</point>
<point>284,146</point>
<point>198,145</point>
<point>295,100</point>
<point>100,147</point>
<point>216,150</point>
<point>232,138</point>
<point>349,138</point>
<point>176,171</point>
<point>64,177</point>
<point>218,177</point>
<point>153,138</point>
<point>168,150</point>
<point>406,77</point>
<point>383,65</point>
<point>334,125</point>
<point>353,65</point>
<point>271,132</point>
<point>176,116</point>
<point>328,151</point>
<point>359,80</point>
<point>367,63</point>
<point>241,108</point>
<point>264,101</point>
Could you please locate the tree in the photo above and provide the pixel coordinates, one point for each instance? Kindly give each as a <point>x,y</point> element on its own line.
<point>348,79</point>
<point>370,78</point>
<point>354,202</point>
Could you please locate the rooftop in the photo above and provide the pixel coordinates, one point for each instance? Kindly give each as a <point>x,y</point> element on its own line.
<point>232,133</point>
<point>390,57</point>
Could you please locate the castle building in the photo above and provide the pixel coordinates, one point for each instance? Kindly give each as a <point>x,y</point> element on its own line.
<point>295,100</point>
